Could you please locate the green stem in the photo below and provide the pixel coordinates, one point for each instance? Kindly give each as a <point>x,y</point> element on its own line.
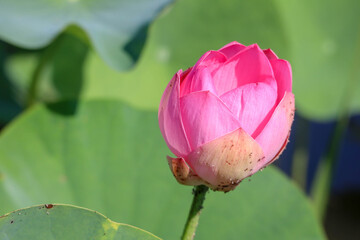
<point>44,59</point>
<point>325,173</point>
<point>194,214</point>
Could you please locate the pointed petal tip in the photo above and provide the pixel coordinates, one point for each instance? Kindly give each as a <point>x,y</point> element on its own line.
<point>270,54</point>
<point>256,46</point>
<point>231,49</point>
<point>283,75</point>
<point>232,44</point>
<point>211,57</point>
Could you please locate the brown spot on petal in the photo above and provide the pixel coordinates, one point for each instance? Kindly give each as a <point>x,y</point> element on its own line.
<point>223,160</point>
<point>182,172</point>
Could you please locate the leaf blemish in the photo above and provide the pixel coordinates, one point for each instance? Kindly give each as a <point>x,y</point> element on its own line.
<point>49,206</point>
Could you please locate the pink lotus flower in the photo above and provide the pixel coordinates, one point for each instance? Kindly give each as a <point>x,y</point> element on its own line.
<point>228,116</point>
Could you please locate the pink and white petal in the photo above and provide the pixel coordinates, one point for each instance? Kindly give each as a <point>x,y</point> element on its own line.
<point>280,151</point>
<point>183,173</point>
<point>201,80</point>
<point>270,54</point>
<point>170,121</point>
<point>276,132</point>
<point>248,66</point>
<point>252,104</point>
<point>283,76</point>
<point>205,118</point>
<point>231,49</point>
<point>210,60</point>
<point>225,161</point>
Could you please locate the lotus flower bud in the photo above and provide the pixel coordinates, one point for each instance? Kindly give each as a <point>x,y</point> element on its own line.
<point>228,116</point>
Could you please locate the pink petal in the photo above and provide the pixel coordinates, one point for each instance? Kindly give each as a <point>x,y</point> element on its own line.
<point>252,104</point>
<point>270,54</point>
<point>210,60</point>
<point>231,49</point>
<point>205,118</point>
<point>276,131</point>
<point>225,161</point>
<point>201,80</point>
<point>170,121</point>
<point>248,66</point>
<point>184,74</point>
<point>283,76</point>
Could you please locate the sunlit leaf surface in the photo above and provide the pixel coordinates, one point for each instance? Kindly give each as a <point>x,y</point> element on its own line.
<point>109,157</point>
<point>110,25</point>
<point>65,222</point>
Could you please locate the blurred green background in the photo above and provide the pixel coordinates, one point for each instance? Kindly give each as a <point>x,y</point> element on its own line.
<point>80,84</point>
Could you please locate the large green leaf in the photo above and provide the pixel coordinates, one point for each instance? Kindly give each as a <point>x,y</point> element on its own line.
<point>175,42</point>
<point>8,107</point>
<point>178,38</point>
<point>109,157</point>
<point>61,77</point>
<point>320,47</point>
<point>62,222</point>
<point>111,25</point>
<point>325,42</point>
